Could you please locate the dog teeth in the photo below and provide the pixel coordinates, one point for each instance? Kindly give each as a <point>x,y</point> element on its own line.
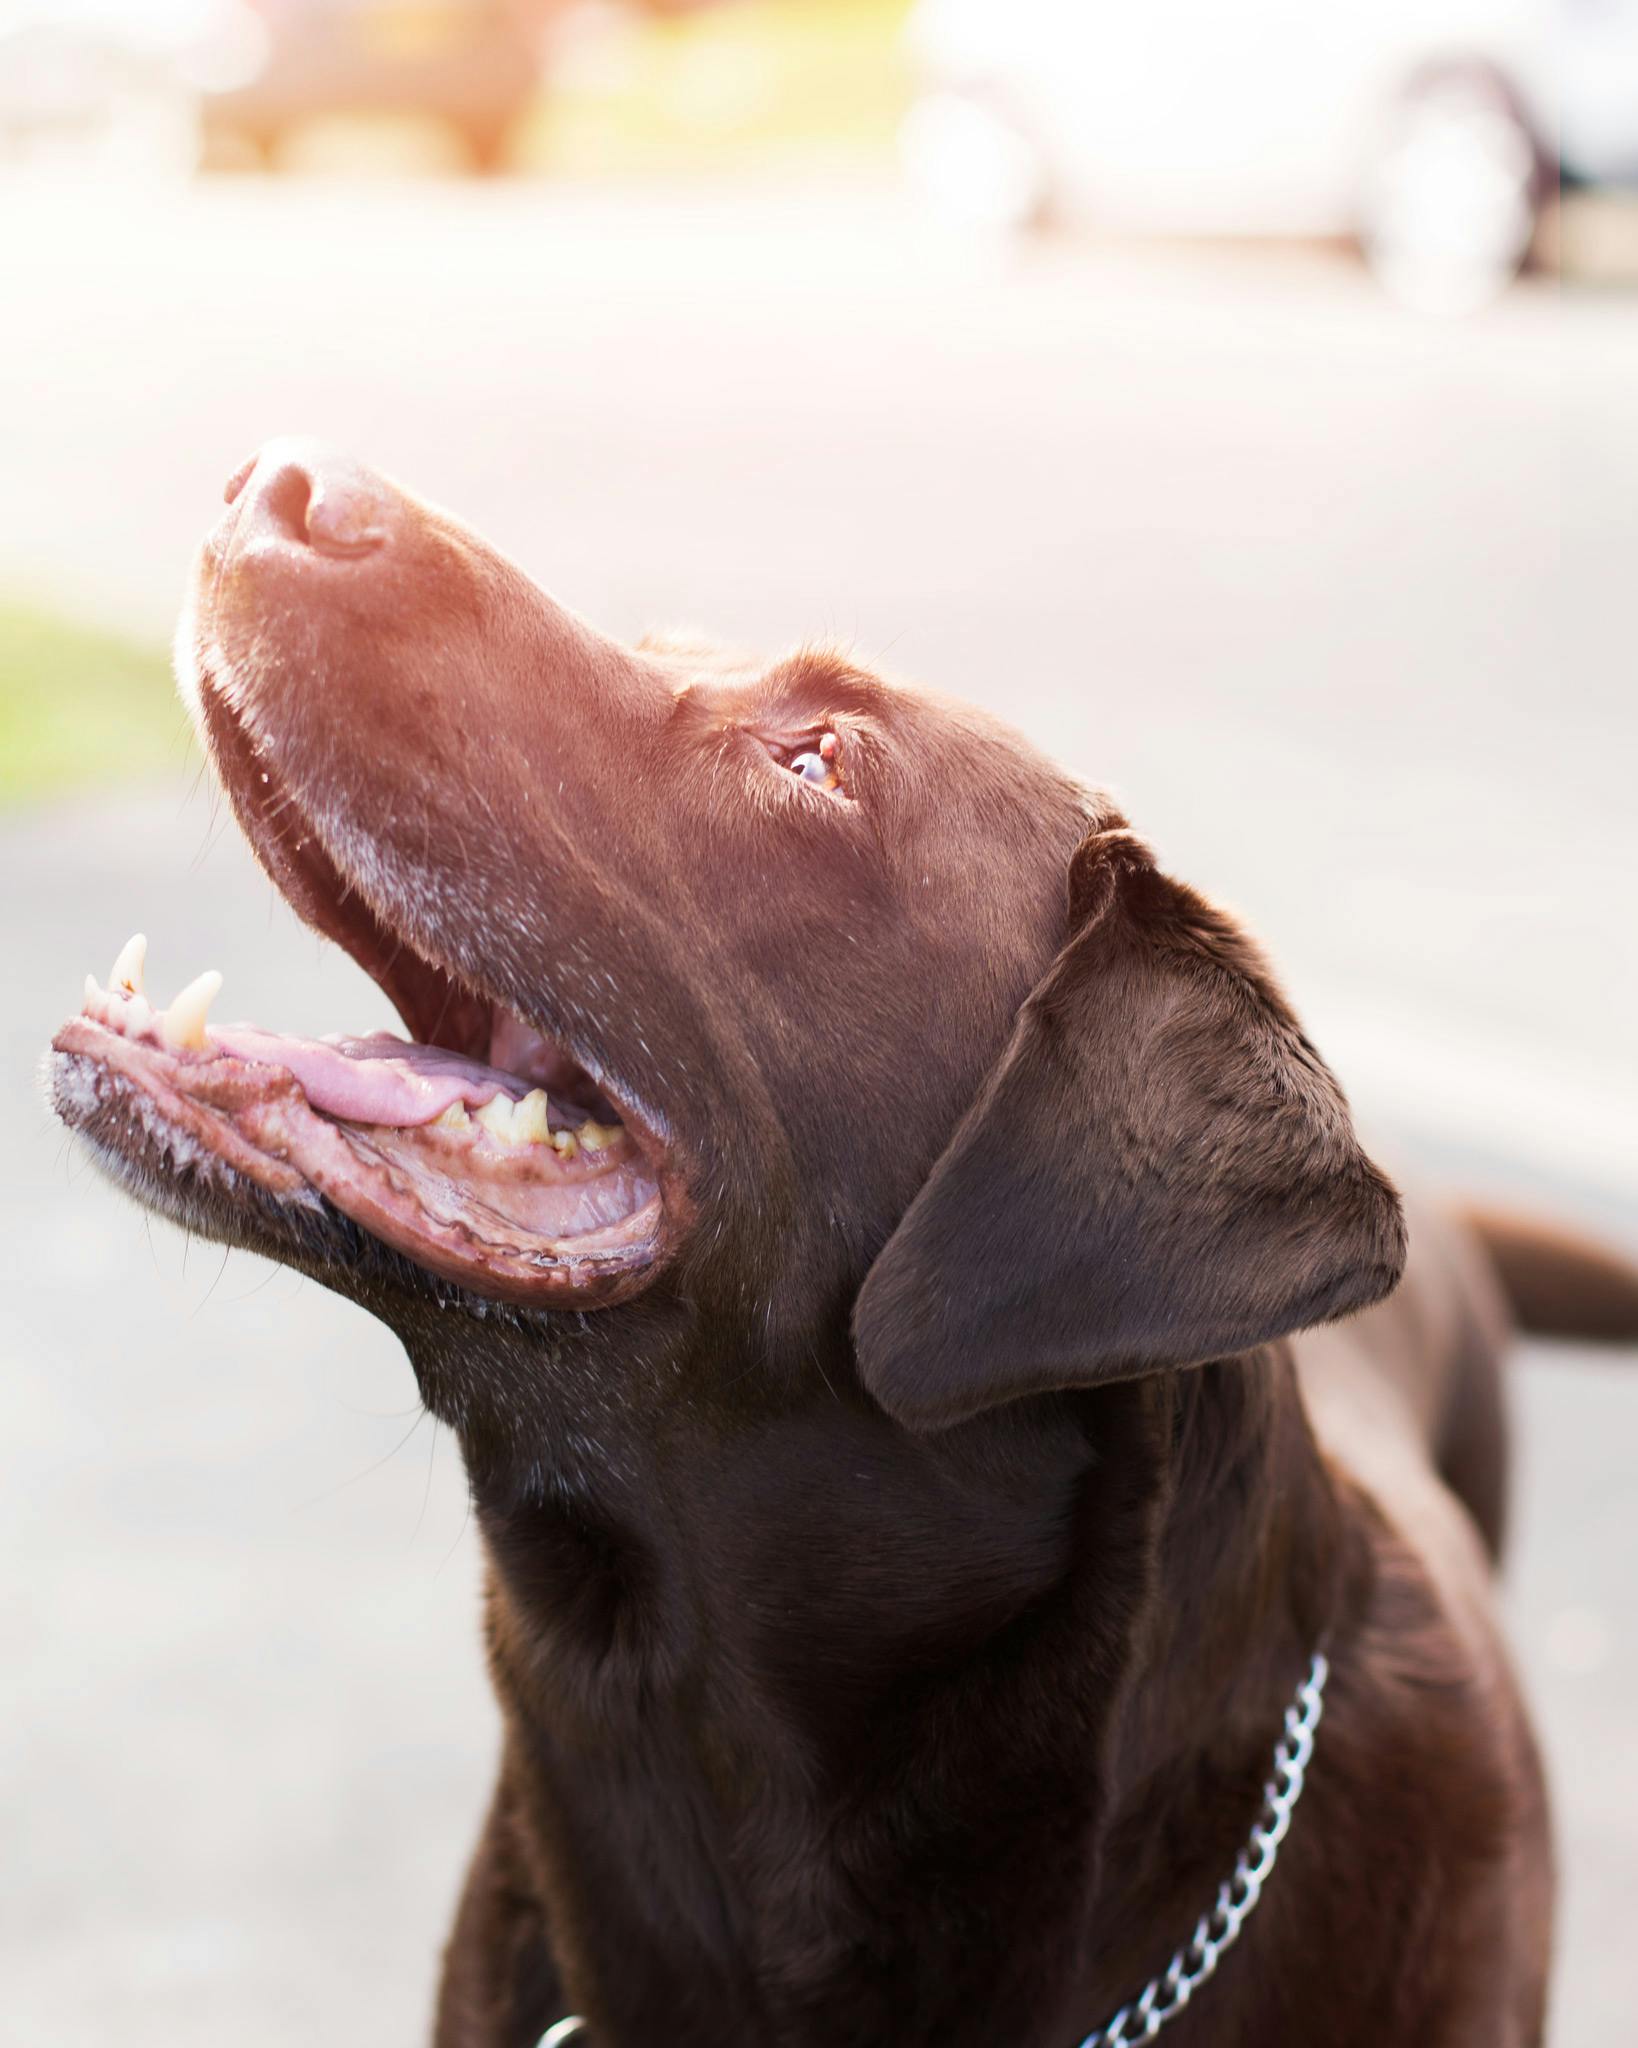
<point>123,1006</point>
<point>182,1026</point>
<point>529,1124</point>
<point>126,973</point>
<point>517,1123</point>
<point>496,1117</point>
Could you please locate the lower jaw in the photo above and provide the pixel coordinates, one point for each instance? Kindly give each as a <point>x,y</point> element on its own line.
<point>224,1120</point>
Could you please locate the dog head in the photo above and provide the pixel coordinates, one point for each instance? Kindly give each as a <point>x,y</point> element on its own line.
<point>741,998</point>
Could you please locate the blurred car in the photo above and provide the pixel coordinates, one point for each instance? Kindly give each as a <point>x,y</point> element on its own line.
<point>473,65</point>
<point>1426,128</point>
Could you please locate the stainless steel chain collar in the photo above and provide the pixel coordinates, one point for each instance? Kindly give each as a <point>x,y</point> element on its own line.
<point>1216,1931</point>
<point>1165,1996</point>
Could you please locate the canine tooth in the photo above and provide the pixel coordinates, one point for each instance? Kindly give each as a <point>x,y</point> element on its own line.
<point>598,1137</point>
<point>496,1118</point>
<point>127,969</point>
<point>529,1123</point>
<point>182,1026</point>
<point>454,1118</point>
<point>93,992</point>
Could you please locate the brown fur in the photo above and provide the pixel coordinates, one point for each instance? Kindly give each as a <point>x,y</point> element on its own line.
<point>1560,1283</point>
<point>893,1607</point>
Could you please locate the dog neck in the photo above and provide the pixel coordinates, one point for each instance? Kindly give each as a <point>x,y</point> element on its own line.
<point>783,1704</point>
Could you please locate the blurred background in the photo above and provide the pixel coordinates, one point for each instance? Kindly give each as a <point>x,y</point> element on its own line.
<point>1237,394</point>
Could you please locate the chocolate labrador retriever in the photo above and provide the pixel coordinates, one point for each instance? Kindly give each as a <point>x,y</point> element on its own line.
<point>857,1213</point>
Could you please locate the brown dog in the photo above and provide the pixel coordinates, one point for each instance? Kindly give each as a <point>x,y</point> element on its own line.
<point>854,1210</point>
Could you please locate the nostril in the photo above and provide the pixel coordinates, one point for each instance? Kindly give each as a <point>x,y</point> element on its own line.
<point>286,499</point>
<point>299,494</point>
<point>344,518</point>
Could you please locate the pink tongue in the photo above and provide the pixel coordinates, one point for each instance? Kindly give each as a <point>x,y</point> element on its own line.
<point>376,1080</point>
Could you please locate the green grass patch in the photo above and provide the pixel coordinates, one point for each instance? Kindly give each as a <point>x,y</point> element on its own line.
<point>80,706</point>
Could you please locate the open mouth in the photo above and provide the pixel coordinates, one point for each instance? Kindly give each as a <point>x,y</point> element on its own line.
<point>509,1174</point>
<point>475,1147</point>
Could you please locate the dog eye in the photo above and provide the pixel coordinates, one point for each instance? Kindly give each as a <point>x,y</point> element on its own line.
<point>817,763</point>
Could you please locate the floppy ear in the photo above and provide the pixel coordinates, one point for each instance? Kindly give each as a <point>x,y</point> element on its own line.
<point>1160,1170</point>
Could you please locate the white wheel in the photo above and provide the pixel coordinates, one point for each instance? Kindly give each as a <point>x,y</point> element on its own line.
<point>1448,205</point>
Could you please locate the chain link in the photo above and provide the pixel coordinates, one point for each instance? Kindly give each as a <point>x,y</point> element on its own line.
<point>1216,1931</point>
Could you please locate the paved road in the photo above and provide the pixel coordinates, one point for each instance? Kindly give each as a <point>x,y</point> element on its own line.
<point>1334,599</point>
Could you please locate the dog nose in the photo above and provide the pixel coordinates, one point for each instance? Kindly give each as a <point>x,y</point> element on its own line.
<point>301,492</point>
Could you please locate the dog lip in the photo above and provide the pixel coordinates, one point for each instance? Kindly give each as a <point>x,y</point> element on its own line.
<point>184,1122</point>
